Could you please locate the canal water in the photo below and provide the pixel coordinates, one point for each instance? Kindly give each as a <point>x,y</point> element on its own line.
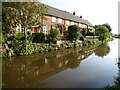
<point>71,68</point>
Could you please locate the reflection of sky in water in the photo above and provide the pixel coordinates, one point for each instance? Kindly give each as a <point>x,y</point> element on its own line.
<point>93,72</point>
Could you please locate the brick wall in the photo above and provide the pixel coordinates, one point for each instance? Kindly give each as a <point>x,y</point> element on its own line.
<point>47,21</point>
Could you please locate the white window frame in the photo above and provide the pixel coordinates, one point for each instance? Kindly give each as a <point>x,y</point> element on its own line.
<point>72,23</point>
<point>84,26</point>
<point>68,22</point>
<point>45,29</point>
<point>80,25</point>
<point>53,19</point>
<point>60,20</point>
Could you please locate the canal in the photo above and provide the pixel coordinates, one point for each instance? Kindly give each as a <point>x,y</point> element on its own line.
<point>70,68</point>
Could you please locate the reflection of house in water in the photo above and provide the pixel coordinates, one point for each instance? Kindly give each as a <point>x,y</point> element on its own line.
<point>30,73</point>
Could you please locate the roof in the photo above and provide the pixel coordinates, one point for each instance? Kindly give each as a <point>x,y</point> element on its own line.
<point>65,15</point>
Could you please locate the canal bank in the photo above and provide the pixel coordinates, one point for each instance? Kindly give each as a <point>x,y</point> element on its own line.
<point>15,48</point>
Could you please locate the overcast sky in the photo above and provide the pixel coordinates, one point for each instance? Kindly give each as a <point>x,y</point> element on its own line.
<point>95,11</point>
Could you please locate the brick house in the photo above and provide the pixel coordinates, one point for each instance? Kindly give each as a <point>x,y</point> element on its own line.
<point>55,16</point>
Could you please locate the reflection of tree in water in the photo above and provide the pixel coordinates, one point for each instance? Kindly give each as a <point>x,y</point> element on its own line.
<point>54,64</point>
<point>74,62</point>
<point>59,58</point>
<point>75,57</point>
<point>102,50</point>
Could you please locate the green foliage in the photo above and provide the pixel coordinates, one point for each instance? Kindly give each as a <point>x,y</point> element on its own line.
<point>16,45</point>
<point>24,13</point>
<point>102,31</point>
<point>38,37</point>
<point>66,34</point>
<point>108,26</point>
<point>54,35</point>
<point>74,32</point>
<point>90,42</point>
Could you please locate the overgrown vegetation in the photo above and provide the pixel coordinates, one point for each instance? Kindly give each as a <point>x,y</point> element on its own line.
<point>16,45</point>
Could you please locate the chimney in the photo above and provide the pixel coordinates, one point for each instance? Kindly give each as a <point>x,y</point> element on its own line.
<point>74,13</point>
<point>81,17</point>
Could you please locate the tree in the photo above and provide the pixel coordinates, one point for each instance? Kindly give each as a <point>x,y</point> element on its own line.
<point>24,13</point>
<point>74,32</point>
<point>54,35</point>
<point>108,26</point>
<point>0,12</point>
<point>102,31</point>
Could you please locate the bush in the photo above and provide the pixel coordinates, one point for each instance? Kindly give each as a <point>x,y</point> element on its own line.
<point>54,35</point>
<point>74,32</point>
<point>38,37</point>
<point>16,45</point>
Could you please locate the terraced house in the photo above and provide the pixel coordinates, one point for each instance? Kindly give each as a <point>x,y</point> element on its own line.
<point>55,17</point>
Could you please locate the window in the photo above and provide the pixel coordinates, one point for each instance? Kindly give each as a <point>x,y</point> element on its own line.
<point>67,22</point>
<point>45,29</point>
<point>53,19</point>
<point>60,20</point>
<point>80,25</point>
<point>75,23</point>
<point>72,23</point>
<point>84,26</point>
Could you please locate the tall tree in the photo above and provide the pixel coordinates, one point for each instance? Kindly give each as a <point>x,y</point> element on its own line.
<point>102,31</point>
<point>108,26</point>
<point>24,13</point>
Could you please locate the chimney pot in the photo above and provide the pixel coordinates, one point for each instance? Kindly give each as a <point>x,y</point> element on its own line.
<point>80,16</point>
<point>74,13</point>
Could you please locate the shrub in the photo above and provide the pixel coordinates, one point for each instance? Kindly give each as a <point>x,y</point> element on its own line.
<point>16,45</point>
<point>54,35</point>
<point>38,37</point>
<point>66,34</point>
<point>74,32</point>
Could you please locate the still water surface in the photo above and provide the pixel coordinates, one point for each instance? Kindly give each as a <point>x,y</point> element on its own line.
<point>71,68</point>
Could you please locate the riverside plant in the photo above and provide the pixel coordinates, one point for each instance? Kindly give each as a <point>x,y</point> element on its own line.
<point>17,46</point>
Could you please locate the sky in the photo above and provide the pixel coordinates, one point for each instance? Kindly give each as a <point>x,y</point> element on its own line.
<point>95,11</point>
